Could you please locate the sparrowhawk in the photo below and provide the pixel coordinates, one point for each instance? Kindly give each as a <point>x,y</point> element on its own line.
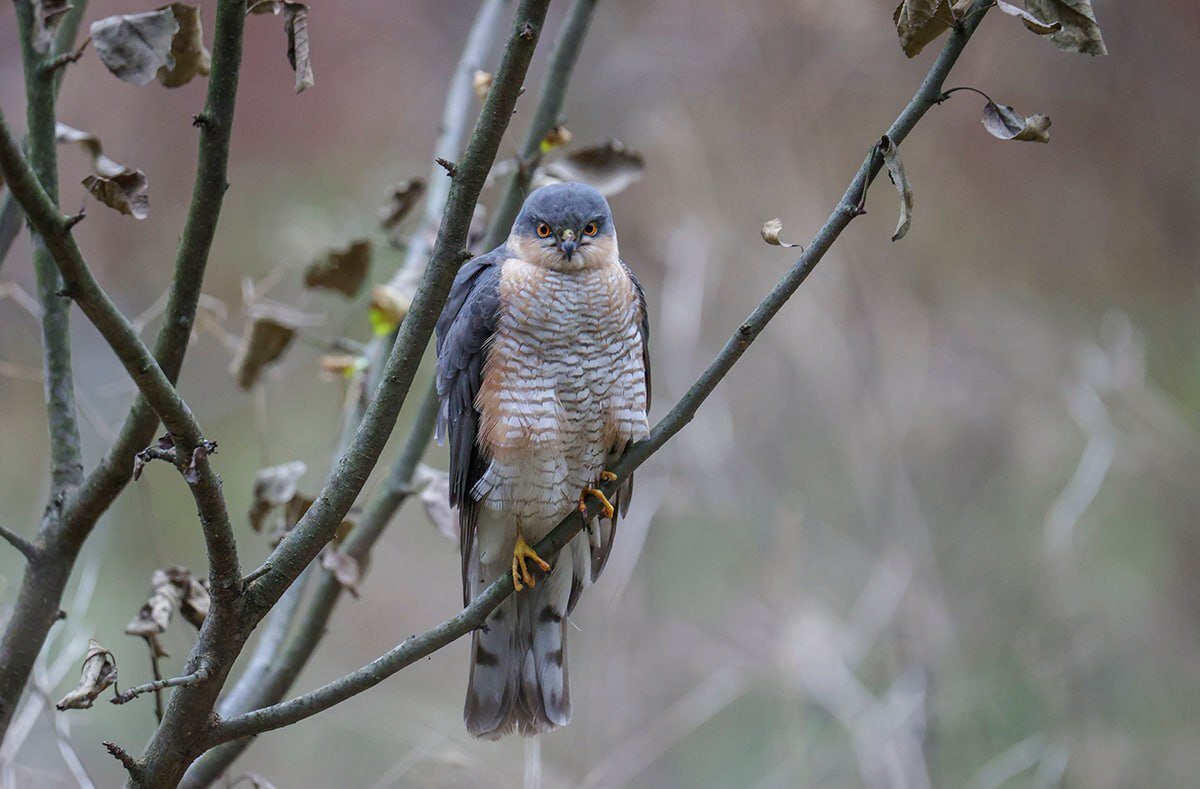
<point>544,378</point>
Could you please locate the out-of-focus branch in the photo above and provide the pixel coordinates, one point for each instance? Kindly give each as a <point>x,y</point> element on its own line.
<point>550,102</point>
<point>474,615</point>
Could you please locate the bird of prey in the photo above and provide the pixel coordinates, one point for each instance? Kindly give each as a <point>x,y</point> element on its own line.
<point>544,378</point>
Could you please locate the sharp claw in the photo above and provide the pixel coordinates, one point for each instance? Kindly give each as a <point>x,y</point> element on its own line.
<point>606,506</point>
<point>608,476</point>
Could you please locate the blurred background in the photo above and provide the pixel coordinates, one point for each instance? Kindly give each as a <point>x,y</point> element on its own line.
<point>938,528</point>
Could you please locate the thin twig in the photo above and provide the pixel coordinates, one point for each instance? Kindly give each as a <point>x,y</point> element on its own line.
<point>20,543</point>
<point>475,614</point>
<point>202,674</point>
<point>158,699</point>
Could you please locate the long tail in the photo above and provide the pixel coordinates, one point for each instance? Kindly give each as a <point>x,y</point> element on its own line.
<point>519,674</point>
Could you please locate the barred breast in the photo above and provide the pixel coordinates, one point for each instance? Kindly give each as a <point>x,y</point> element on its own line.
<point>563,386</point>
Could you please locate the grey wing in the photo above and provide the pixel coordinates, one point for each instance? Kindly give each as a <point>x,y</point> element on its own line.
<point>608,528</point>
<point>464,333</point>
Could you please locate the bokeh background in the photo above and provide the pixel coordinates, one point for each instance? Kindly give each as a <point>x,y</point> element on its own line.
<point>938,528</point>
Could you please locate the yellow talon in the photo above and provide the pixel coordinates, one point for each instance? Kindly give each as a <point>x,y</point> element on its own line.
<point>522,552</point>
<point>608,476</point>
<point>607,510</point>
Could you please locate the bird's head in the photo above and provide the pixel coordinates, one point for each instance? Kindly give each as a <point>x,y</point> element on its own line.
<point>566,227</point>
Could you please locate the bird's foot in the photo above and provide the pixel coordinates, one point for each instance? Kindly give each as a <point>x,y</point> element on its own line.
<point>523,552</point>
<point>607,476</point>
<point>606,506</point>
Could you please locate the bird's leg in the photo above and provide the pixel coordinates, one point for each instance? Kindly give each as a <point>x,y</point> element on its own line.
<point>607,508</point>
<point>523,552</point>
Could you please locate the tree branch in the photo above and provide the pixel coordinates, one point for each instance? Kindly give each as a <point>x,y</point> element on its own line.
<point>475,614</point>
<point>550,102</point>
<point>201,674</point>
<point>289,657</point>
<point>181,738</point>
<point>314,530</point>
<point>20,543</point>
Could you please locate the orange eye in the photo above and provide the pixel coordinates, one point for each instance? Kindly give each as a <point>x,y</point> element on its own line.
<point>591,229</point>
<point>543,230</point>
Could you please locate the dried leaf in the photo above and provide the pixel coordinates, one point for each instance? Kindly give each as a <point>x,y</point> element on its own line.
<point>263,343</point>
<point>98,672</point>
<point>770,233</point>
<point>341,270</point>
<point>1080,32</point>
<point>344,568</point>
<point>135,46</point>
<point>388,307</point>
<point>295,24</point>
<point>274,486</point>
<point>401,200</point>
<point>435,496</point>
<point>125,191</point>
<point>295,20</point>
<point>919,22</point>
<point>1003,122</point>
<point>556,138</point>
<point>482,82</point>
<point>155,614</point>
<point>92,146</point>
<point>47,14</point>
<point>191,57</point>
<point>895,169</point>
<point>342,365</point>
<point>1031,21</point>
<point>609,167</point>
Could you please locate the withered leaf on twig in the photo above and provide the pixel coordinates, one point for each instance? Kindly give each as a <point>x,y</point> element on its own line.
<point>263,343</point>
<point>135,46</point>
<point>155,614</point>
<point>295,24</point>
<point>341,270</point>
<point>92,146</point>
<point>557,137</point>
<point>402,198</point>
<point>191,474</point>
<point>47,14</point>
<point>609,168</point>
<point>342,365</point>
<point>344,568</point>
<point>919,22</point>
<point>1003,122</point>
<point>125,192</point>
<point>98,672</point>
<point>770,233</point>
<point>895,170</point>
<point>1031,21</point>
<point>388,307</point>
<point>274,486</point>
<point>434,485</point>
<point>1080,31</point>
<point>191,58</point>
<point>481,81</point>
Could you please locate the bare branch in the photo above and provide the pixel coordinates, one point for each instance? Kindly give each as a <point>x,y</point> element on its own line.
<point>550,102</point>
<point>20,543</point>
<point>475,614</point>
<point>202,674</point>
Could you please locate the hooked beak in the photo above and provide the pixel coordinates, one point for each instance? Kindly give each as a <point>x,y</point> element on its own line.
<point>567,245</point>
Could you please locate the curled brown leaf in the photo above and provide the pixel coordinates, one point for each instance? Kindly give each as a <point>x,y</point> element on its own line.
<point>344,567</point>
<point>343,270</point>
<point>481,81</point>
<point>918,22</point>
<point>1031,22</point>
<point>609,167</point>
<point>92,146</point>
<point>402,198</point>
<point>1003,122</point>
<point>124,192</point>
<point>434,485</point>
<point>770,233</point>
<point>98,672</point>
<point>262,344</point>
<point>1080,32</point>
<point>275,486</point>
<point>190,58</point>
<point>895,170</point>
